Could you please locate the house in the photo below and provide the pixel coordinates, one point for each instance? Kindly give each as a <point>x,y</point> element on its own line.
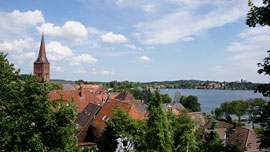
<point>81,97</point>
<point>96,129</point>
<point>104,96</point>
<point>94,88</point>
<point>198,118</point>
<point>174,106</point>
<point>243,137</point>
<point>85,119</point>
<point>124,96</point>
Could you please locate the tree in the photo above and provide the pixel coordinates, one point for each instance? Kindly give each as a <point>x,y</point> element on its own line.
<point>258,15</point>
<point>28,120</point>
<point>158,137</point>
<point>219,113</point>
<point>177,97</point>
<point>191,103</point>
<point>121,130</point>
<point>56,86</point>
<point>183,134</point>
<point>146,95</point>
<point>227,108</point>
<point>265,139</point>
<point>239,108</point>
<point>255,110</point>
<point>165,98</point>
<point>261,15</point>
<point>136,93</point>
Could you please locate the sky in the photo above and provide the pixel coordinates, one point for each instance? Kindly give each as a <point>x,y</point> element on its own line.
<point>135,40</point>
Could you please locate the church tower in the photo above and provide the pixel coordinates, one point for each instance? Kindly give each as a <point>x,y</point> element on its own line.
<point>42,65</point>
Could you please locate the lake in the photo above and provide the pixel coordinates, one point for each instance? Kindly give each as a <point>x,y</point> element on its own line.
<point>210,99</point>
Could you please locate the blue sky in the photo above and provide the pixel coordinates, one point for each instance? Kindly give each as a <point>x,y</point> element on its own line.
<point>135,40</point>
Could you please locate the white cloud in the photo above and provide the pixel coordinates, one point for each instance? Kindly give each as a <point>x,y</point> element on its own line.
<point>104,72</point>
<point>93,31</point>
<point>115,53</point>
<point>86,58</point>
<point>108,48</point>
<point>71,29</point>
<point>144,59</point>
<point>254,32</point>
<point>56,51</point>
<point>148,8</point>
<point>24,56</point>
<point>17,46</point>
<point>79,71</point>
<point>113,38</point>
<point>245,53</point>
<point>74,30</point>
<point>131,46</point>
<point>50,29</point>
<point>185,21</point>
<point>56,68</point>
<point>187,39</point>
<point>18,21</point>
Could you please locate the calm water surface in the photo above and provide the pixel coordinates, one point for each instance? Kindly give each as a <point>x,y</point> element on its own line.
<point>210,99</point>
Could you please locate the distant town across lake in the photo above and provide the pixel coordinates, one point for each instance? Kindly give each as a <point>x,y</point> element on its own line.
<point>210,99</point>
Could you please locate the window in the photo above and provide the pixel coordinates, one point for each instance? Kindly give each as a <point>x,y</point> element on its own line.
<point>104,117</point>
<point>89,114</point>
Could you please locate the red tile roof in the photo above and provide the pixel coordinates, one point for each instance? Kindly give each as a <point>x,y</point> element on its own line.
<point>106,112</point>
<point>243,137</point>
<point>81,97</point>
<point>124,96</point>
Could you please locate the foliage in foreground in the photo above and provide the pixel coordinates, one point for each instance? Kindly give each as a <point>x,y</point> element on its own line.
<point>28,120</point>
<point>161,132</point>
<point>261,15</point>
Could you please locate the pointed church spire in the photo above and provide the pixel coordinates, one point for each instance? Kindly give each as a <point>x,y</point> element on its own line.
<point>42,52</point>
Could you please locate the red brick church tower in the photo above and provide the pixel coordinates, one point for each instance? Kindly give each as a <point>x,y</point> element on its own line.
<point>42,65</point>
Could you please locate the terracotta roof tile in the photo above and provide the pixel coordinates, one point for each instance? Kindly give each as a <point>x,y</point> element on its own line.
<point>124,96</point>
<point>81,97</point>
<point>243,137</point>
<point>106,112</point>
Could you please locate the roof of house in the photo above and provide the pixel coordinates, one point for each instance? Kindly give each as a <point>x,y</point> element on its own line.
<point>67,86</point>
<point>198,117</point>
<point>87,114</point>
<point>243,137</point>
<point>124,96</point>
<point>176,106</point>
<point>81,97</point>
<point>138,104</point>
<point>91,86</point>
<point>106,112</point>
<point>95,88</point>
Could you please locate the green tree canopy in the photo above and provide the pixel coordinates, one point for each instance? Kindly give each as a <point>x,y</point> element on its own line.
<point>191,103</point>
<point>239,108</point>
<point>258,15</point>
<point>166,98</point>
<point>255,110</point>
<point>56,86</point>
<point>121,130</point>
<point>158,137</point>
<point>28,121</point>
<point>219,113</point>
